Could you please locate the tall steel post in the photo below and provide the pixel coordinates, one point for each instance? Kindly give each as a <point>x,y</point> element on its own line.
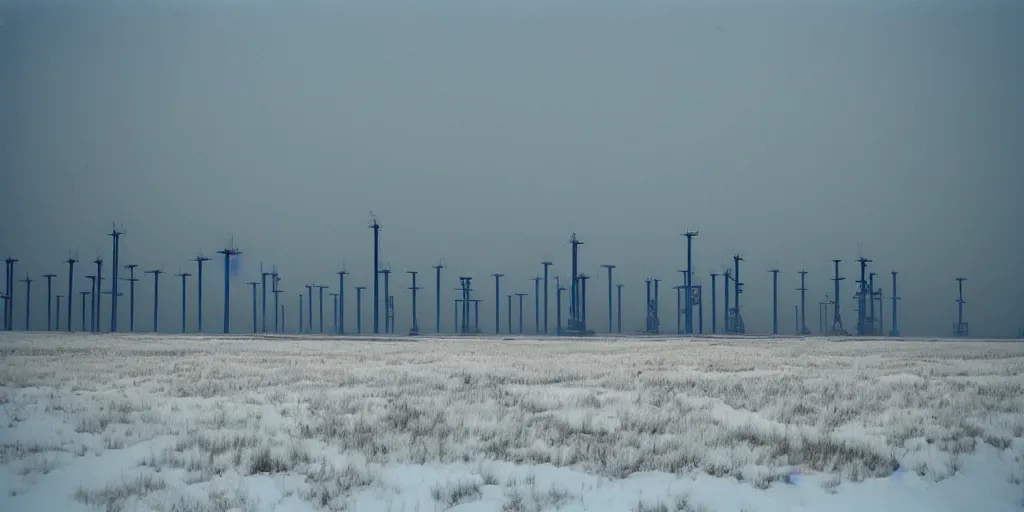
<point>714,304</point>
<point>497,305</point>
<point>49,300</point>
<point>546,309</point>
<point>611,327</point>
<point>437,297</point>
<point>71,287</point>
<point>618,320</point>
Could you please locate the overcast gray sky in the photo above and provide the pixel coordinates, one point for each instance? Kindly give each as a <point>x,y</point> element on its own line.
<point>485,133</point>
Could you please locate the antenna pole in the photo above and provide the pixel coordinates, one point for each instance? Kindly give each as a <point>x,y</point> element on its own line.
<point>803,303</point>
<point>309,308</point>
<point>275,291</point>
<point>546,264</point>
<point>341,301</point>
<point>375,226</point>
<point>689,280</point>
<point>263,292</point>
<point>618,320</point>
<point>415,321</point>
<point>960,329</point>
<point>895,332</point>
<point>28,301</point>
<point>228,252</point>
<point>131,296</point>
<point>321,299</point>
<point>9,312</point>
<point>199,289</point>
<point>837,319</point>
<point>775,301</point>
<point>521,295</point>
<point>334,309</point>
<point>156,297</point>
<point>92,303</point>
<point>116,235</point>
<point>536,304</point>
<point>97,297</point>
<point>611,327</point>
<point>497,305</point>
<point>184,297</point>
<point>714,304</point>
<point>71,286</point>
<point>49,300</point>
<point>437,297</point>
<point>862,297</point>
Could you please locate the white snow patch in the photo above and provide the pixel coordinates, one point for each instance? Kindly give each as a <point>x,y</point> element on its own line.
<point>133,422</point>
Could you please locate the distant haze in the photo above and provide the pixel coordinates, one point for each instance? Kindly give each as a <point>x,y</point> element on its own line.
<point>486,133</point>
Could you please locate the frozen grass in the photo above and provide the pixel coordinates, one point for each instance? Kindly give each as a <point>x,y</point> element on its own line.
<point>335,415</point>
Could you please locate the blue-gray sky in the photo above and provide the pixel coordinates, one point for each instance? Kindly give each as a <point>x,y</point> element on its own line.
<point>486,133</point>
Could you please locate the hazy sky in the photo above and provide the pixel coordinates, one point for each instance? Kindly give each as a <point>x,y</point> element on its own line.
<point>485,133</point>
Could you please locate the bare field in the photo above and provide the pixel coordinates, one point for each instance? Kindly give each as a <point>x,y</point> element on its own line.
<point>330,417</point>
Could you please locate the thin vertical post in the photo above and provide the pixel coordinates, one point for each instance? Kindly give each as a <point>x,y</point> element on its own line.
<point>618,319</point>
<point>255,328</point>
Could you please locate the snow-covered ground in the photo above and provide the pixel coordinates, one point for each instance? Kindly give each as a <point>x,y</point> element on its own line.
<point>190,423</point>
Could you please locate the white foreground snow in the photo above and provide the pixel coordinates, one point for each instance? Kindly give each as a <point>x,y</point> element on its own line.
<point>190,423</point>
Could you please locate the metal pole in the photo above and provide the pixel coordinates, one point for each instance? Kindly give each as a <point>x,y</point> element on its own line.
<point>618,320</point>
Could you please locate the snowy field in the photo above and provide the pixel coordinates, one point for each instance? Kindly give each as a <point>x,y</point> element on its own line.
<point>173,423</point>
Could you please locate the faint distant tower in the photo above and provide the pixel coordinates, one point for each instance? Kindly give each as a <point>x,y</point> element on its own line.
<point>228,252</point>
<point>71,286</point>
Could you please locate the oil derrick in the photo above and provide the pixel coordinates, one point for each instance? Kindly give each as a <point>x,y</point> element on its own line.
<point>863,328</point>
<point>960,329</point>
<point>837,318</point>
<point>689,280</point>
<point>652,308</point>
<point>465,287</point>
<point>803,303</point>
<point>577,324</point>
<point>734,320</point>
